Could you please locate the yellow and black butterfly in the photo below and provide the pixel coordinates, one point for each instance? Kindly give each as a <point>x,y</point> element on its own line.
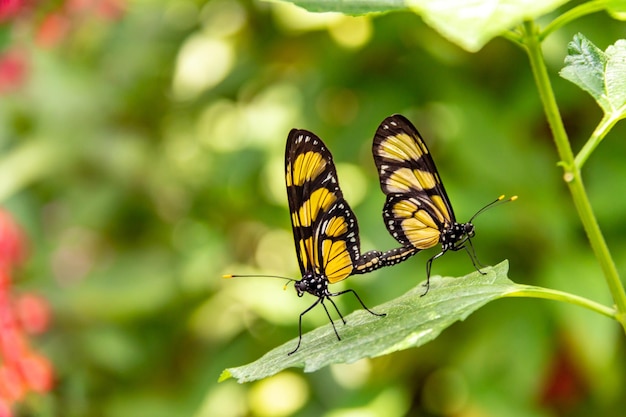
<point>417,212</point>
<point>325,229</point>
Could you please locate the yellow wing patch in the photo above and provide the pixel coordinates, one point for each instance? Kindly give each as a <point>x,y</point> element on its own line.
<point>420,235</point>
<point>403,180</point>
<point>417,224</point>
<point>337,226</point>
<point>319,202</point>
<point>306,251</point>
<point>306,167</point>
<point>404,209</point>
<point>400,147</point>
<point>426,179</point>
<point>441,209</point>
<point>337,258</point>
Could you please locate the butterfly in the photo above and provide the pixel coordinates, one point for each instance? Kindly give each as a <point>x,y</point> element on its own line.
<point>325,229</point>
<point>417,211</point>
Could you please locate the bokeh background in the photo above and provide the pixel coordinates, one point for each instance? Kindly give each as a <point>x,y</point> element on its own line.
<point>142,155</point>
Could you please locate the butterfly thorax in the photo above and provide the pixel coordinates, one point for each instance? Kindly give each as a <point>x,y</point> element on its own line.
<point>313,284</point>
<point>454,236</point>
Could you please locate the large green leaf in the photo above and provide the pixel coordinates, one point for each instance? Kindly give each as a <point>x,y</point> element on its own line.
<point>468,23</point>
<point>601,74</point>
<point>472,23</point>
<point>411,321</point>
<point>352,7</point>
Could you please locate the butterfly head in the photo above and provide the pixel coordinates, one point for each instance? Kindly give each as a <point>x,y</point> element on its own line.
<point>313,284</point>
<point>301,287</point>
<point>468,229</point>
<point>455,236</point>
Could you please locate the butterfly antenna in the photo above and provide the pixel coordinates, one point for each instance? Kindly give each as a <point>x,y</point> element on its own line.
<point>499,200</point>
<point>229,276</point>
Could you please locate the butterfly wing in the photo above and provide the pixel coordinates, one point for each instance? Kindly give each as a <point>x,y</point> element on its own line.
<point>325,228</point>
<point>417,207</point>
<point>338,242</point>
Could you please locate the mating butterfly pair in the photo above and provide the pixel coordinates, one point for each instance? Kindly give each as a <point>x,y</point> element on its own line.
<point>417,212</point>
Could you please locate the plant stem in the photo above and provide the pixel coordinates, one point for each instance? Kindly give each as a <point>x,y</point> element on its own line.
<point>572,174</point>
<point>605,125</point>
<point>572,14</point>
<point>550,294</point>
<point>513,37</point>
<point>540,72</point>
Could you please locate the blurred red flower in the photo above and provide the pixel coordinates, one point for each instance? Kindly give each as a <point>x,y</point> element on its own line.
<point>52,30</point>
<point>13,71</point>
<point>36,372</point>
<point>10,9</point>
<point>33,312</point>
<point>12,242</point>
<point>22,369</point>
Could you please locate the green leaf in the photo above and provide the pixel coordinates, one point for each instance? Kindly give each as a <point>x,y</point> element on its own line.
<point>584,66</point>
<point>468,23</point>
<point>601,74</point>
<point>351,7</point>
<point>472,23</point>
<point>411,321</point>
<point>616,76</point>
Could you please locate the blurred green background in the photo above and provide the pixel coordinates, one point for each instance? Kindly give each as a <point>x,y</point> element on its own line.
<point>143,152</point>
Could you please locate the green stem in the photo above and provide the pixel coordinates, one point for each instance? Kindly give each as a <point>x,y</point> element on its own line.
<point>605,125</point>
<point>513,37</point>
<point>550,294</point>
<point>540,72</point>
<point>572,174</point>
<point>572,14</point>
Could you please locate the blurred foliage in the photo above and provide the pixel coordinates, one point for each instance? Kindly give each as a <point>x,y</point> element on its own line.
<point>143,152</point>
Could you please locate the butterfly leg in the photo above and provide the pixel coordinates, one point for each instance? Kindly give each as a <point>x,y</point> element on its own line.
<point>336,309</point>
<point>360,301</point>
<point>300,323</point>
<point>472,254</point>
<point>429,264</point>
<point>330,318</point>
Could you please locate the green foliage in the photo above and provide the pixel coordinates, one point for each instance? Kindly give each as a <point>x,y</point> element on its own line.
<point>603,75</point>
<point>467,23</point>
<point>143,168</point>
<point>472,24</point>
